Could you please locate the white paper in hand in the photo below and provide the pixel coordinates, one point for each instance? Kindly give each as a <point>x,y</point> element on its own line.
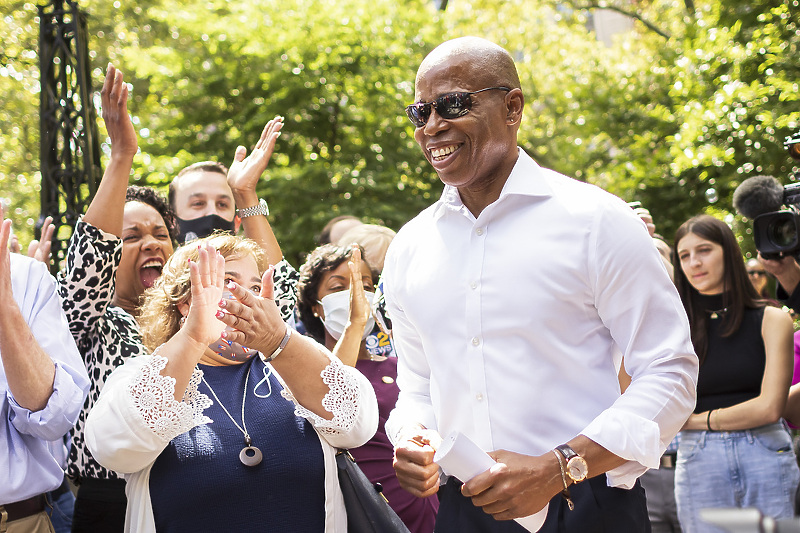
<point>459,457</point>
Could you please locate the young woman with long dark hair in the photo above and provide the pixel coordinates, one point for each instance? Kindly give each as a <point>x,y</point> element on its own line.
<point>735,451</point>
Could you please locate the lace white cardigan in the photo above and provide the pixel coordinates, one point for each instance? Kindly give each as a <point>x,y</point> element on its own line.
<point>137,416</point>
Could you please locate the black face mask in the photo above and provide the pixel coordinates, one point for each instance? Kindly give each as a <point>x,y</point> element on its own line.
<point>197,228</point>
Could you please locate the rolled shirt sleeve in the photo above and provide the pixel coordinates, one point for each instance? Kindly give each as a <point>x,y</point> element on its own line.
<point>653,333</point>
<point>35,292</point>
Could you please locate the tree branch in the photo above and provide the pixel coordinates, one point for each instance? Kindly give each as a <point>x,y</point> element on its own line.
<point>631,14</point>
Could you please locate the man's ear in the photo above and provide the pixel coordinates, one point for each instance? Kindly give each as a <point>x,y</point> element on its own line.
<point>515,102</point>
<point>237,222</point>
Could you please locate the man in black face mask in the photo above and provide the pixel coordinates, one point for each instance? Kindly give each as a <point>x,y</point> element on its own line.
<point>207,196</point>
<point>203,201</point>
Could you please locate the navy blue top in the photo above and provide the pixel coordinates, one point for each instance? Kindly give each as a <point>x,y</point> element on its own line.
<point>734,366</point>
<point>199,484</point>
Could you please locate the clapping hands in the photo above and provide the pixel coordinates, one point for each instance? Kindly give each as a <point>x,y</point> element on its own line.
<point>245,172</point>
<point>207,276</point>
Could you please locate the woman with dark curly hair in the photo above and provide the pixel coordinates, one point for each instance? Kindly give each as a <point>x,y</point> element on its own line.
<point>335,293</point>
<point>117,250</point>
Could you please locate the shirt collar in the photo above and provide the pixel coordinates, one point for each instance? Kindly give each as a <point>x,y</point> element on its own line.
<point>527,178</point>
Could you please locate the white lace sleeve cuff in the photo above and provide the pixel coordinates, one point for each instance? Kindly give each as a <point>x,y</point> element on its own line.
<point>153,396</point>
<point>343,400</point>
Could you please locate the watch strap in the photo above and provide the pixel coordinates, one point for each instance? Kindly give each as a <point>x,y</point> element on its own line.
<point>261,209</point>
<point>567,451</point>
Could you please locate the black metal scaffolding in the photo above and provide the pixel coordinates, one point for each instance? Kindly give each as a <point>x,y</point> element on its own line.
<point>70,147</point>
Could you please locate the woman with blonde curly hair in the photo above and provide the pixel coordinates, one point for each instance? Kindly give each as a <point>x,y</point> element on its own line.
<point>230,408</point>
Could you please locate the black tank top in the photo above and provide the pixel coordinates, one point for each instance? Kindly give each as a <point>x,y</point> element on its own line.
<point>734,366</point>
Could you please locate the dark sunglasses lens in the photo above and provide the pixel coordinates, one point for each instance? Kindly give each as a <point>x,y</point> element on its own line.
<point>453,105</point>
<point>418,114</point>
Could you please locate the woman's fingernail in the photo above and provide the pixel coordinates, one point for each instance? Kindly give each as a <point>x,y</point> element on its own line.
<point>224,334</point>
<point>231,285</point>
<point>219,314</point>
<point>223,303</point>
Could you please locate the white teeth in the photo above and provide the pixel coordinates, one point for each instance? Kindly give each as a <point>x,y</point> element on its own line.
<point>440,153</point>
<point>152,264</point>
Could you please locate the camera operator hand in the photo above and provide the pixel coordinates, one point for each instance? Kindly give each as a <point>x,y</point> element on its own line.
<point>787,272</point>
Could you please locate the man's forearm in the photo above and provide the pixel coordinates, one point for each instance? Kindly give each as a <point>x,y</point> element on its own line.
<point>257,227</point>
<point>30,372</point>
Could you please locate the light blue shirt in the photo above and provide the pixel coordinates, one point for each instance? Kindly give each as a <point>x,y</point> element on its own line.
<point>27,466</point>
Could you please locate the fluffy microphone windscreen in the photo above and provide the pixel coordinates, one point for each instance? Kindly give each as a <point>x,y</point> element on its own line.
<point>758,195</point>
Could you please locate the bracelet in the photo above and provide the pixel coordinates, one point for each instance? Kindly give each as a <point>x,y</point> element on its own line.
<point>708,420</point>
<point>565,492</point>
<point>259,209</point>
<point>282,345</point>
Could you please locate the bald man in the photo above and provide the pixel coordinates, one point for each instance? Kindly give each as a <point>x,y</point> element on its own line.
<point>507,298</point>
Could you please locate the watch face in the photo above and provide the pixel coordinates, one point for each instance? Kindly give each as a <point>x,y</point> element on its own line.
<point>577,469</point>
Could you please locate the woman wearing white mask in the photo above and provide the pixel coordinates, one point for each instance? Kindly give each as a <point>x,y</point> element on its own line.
<point>335,294</point>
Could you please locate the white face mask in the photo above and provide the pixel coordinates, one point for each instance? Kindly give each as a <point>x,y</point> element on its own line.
<point>336,307</point>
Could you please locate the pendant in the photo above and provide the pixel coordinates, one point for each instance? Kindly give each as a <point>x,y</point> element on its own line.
<point>714,315</point>
<point>250,456</point>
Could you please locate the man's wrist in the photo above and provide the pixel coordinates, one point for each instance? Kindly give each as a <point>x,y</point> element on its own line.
<point>244,197</point>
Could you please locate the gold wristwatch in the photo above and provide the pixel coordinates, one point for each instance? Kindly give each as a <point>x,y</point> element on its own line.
<point>576,466</point>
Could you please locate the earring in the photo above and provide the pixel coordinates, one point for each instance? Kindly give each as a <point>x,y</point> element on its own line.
<point>182,321</point>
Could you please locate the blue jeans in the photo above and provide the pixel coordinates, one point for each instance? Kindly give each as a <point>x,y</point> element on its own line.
<point>59,510</point>
<point>750,468</point>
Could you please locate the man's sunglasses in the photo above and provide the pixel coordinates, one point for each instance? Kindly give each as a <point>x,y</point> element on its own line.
<point>447,106</point>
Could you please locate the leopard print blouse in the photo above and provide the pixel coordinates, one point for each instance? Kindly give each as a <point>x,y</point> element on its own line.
<point>106,335</point>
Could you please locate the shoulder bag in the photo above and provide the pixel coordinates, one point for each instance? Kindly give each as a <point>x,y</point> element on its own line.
<point>367,508</point>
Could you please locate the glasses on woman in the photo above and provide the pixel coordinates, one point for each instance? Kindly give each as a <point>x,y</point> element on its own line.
<point>451,105</point>
<point>756,273</point>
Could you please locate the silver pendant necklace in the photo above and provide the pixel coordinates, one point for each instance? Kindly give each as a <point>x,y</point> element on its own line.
<point>250,455</point>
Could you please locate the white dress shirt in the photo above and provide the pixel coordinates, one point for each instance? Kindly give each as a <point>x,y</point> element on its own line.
<point>505,325</point>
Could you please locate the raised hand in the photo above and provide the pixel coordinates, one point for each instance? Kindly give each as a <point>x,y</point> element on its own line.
<point>40,250</point>
<point>359,306</point>
<point>114,97</point>
<point>647,218</point>
<point>256,320</point>
<point>5,260</point>
<point>208,278</point>
<point>245,172</point>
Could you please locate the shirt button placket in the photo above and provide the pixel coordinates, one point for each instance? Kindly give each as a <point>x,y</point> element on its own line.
<point>474,264</point>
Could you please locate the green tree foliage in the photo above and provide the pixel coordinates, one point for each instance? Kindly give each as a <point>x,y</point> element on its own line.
<point>676,112</point>
<point>19,118</point>
<point>340,73</point>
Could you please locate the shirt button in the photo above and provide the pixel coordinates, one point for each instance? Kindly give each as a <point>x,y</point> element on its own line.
<point>479,231</point>
<point>475,341</point>
<point>473,285</point>
<point>479,397</point>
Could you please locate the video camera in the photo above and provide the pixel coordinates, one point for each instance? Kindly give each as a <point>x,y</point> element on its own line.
<point>775,209</point>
